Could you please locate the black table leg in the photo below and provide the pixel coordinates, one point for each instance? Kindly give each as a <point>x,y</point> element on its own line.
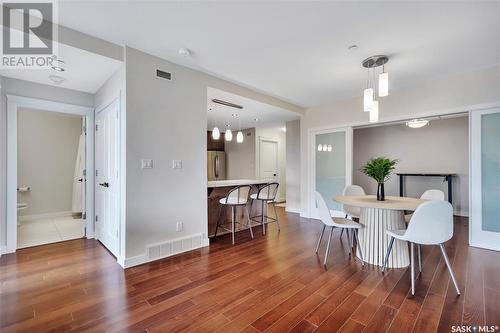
<point>450,189</point>
<point>401,185</point>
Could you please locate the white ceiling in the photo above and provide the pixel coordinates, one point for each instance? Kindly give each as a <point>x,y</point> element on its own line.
<point>84,71</point>
<point>267,115</point>
<point>298,50</point>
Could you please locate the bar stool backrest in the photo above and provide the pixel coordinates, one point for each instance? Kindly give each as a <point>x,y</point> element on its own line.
<point>238,195</point>
<point>433,195</point>
<point>353,190</point>
<point>432,223</point>
<point>268,191</point>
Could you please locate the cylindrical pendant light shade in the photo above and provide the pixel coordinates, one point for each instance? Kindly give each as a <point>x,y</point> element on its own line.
<point>215,133</point>
<point>239,137</point>
<point>229,135</point>
<point>374,112</point>
<point>383,84</point>
<point>368,99</point>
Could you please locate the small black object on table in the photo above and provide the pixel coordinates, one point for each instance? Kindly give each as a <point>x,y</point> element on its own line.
<point>448,177</point>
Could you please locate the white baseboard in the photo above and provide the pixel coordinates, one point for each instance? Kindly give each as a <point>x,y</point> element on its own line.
<point>166,249</point>
<point>3,249</point>
<point>24,218</point>
<point>292,210</point>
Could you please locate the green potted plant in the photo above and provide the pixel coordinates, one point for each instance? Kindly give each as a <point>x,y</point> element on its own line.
<point>380,169</point>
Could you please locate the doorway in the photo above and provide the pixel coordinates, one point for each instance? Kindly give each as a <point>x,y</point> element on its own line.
<point>61,222</point>
<point>51,188</point>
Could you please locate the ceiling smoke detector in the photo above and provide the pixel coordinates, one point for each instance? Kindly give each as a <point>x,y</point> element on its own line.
<point>183,52</point>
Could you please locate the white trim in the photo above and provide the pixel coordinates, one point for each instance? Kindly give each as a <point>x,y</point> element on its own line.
<point>292,210</point>
<point>13,103</point>
<point>33,217</point>
<point>311,157</point>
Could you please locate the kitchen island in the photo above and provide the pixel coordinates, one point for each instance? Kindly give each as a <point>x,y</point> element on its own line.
<point>217,190</point>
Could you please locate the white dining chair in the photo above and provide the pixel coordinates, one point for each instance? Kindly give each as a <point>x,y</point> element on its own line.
<point>431,224</point>
<point>428,195</point>
<point>336,222</point>
<point>352,211</point>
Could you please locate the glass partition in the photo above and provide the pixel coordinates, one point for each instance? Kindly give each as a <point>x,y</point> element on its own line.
<point>490,171</point>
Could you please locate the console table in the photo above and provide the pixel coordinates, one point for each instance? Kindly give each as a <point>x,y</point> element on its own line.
<point>448,177</point>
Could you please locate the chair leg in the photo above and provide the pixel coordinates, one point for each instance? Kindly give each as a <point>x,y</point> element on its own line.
<point>233,218</point>
<point>348,232</point>
<point>412,267</point>
<point>250,209</point>
<point>218,219</point>
<point>420,258</point>
<point>359,247</point>
<point>389,249</point>
<point>248,221</point>
<point>276,214</point>
<point>262,219</point>
<point>341,232</point>
<point>441,246</point>
<point>320,237</point>
<point>328,247</point>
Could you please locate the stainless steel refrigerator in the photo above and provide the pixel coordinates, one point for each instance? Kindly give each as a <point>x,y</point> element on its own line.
<point>216,165</point>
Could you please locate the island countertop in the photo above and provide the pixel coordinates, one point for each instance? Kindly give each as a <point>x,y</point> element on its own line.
<point>237,182</point>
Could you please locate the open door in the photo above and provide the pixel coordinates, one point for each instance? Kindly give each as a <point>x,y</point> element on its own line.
<point>484,224</point>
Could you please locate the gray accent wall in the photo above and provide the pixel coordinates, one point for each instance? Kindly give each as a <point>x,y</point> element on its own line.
<point>440,147</point>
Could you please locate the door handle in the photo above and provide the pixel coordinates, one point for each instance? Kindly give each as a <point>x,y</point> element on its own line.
<point>105,184</point>
<point>80,180</point>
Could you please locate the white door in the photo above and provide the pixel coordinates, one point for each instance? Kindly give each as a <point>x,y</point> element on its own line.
<point>268,159</point>
<point>107,183</point>
<point>331,167</point>
<point>484,227</point>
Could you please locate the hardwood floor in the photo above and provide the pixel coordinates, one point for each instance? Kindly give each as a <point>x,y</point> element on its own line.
<point>274,283</point>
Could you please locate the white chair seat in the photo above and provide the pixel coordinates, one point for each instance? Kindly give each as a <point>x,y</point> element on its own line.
<point>231,201</point>
<point>398,234</point>
<point>341,222</point>
<point>262,197</point>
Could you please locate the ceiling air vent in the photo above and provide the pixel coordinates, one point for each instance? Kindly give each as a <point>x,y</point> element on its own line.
<point>163,75</point>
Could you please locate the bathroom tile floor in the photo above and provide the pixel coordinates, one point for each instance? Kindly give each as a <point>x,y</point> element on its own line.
<point>48,230</point>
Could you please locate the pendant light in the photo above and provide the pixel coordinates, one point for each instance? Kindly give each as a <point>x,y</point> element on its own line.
<point>383,83</point>
<point>229,134</point>
<point>374,112</point>
<point>239,135</point>
<point>368,95</point>
<point>215,133</point>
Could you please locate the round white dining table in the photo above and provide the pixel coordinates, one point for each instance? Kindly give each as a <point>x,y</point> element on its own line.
<point>377,217</point>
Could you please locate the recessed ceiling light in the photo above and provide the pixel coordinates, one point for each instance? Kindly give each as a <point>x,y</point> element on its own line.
<point>352,47</point>
<point>56,79</point>
<point>183,52</point>
<point>256,119</point>
<point>234,115</point>
<point>228,125</point>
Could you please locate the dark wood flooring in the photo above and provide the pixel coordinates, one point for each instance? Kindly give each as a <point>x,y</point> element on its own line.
<point>274,283</point>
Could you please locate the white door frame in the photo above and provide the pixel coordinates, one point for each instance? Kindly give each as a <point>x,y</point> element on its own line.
<point>477,236</point>
<point>258,150</point>
<point>311,147</point>
<point>13,103</point>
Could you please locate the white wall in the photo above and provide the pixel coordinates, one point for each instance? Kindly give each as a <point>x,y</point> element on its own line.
<point>47,150</point>
<point>293,166</point>
<point>160,115</point>
<point>466,91</point>
<point>28,89</point>
<point>240,157</point>
<point>279,135</point>
<point>440,147</point>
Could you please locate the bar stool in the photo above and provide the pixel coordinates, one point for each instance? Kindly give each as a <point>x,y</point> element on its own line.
<point>237,197</point>
<point>266,194</point>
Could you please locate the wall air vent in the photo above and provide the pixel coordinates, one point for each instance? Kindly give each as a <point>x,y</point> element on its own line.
<point>163,75</point>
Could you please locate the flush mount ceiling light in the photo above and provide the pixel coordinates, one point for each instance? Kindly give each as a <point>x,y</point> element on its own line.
<point>417,123</point>
<point>56,79</point>
<point>369,103</point>
<point>183,52</point>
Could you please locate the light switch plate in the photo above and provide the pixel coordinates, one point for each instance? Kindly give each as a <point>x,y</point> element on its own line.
<point>177,164</point>
<point>147,164</point>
